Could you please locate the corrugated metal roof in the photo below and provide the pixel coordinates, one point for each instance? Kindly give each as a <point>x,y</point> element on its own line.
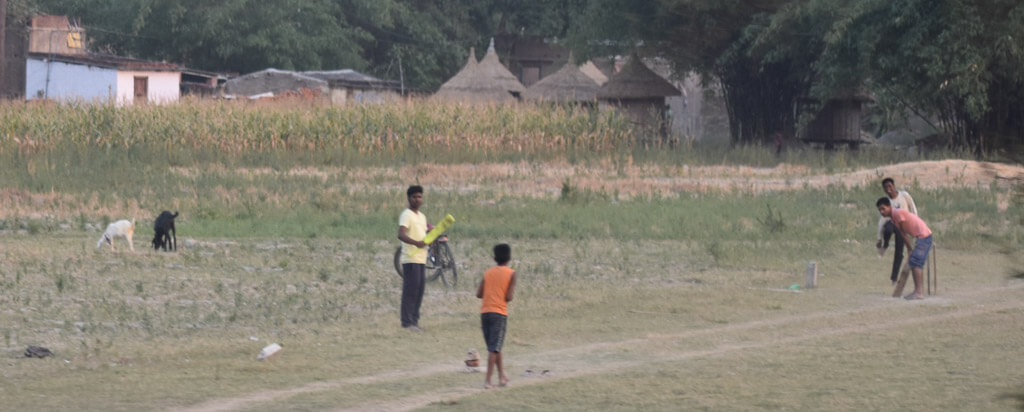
<point>352,78</point>
<point>109,61</point>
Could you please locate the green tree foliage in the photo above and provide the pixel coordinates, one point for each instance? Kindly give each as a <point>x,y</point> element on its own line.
<point>422,42</point>
<point>240,35</point>
<point>959,60</point>
<point>710,37</point>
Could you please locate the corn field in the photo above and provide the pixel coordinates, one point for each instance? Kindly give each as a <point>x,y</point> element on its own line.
<point>244,128</point>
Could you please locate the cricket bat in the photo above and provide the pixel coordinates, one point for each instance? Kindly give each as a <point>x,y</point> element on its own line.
<point>904,273</point>
<point>438,230</point>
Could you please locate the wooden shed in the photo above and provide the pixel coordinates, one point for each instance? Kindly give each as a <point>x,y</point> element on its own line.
<point>641,94</point>
<point>838,122</point>
<point>531,58</point>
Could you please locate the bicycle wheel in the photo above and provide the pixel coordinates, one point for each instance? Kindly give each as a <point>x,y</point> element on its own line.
<point>398,262</point>
<point>431,265</point>
<point>445,263</point>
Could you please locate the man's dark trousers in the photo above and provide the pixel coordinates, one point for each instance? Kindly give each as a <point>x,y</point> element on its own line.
<point>413,282</point>
<point>897,260</point>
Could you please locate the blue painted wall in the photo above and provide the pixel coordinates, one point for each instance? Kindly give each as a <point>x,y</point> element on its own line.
<point>69,81</point>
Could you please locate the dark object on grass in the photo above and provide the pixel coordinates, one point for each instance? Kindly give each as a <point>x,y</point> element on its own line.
<point>37,352</point>
<point>165,234</point>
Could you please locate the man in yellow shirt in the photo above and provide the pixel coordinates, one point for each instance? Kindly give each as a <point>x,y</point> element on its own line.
<point>412,229</point>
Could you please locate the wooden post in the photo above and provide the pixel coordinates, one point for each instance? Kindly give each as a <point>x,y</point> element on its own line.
<point>3,48</point>
<point>812,275</point>
<point>928,276</point>
<point>935,266</point>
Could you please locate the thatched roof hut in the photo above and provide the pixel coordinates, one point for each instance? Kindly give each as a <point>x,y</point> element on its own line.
<point>487,81</point>
<point>591,69</point>
<point>636,81</point>
<point>640,93</point>
<point>459,85</point>
<point>567,85</point>
<point>497,74</point>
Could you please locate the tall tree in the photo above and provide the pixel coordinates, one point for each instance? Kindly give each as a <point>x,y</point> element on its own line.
<point>710,37</point>
<point>956,60</point>
<point>424,42</point>
<point>240,35</point>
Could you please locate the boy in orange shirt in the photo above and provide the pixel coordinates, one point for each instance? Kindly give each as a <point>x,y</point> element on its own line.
<point>496,290</point>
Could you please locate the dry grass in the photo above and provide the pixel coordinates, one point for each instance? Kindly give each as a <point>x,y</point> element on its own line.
<point>652,325</point>
<point>646,284</point>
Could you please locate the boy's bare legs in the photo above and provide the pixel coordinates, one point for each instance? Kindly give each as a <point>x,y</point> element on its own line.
<point>918,280</point>
<point>491,358</point>
<point>494,360</point>
<point>502,378</point>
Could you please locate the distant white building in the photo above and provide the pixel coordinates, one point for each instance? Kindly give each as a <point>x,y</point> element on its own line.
<point>59,67</point>
<point>101,78</point>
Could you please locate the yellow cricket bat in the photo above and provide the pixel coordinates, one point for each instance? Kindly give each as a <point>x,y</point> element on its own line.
<point>438,230</point>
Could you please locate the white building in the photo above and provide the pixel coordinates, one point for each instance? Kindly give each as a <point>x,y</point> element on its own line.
<point>59,67</point>
<point>101,78</point>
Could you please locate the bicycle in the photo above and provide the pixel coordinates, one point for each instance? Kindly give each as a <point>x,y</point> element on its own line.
<point>440,263</point>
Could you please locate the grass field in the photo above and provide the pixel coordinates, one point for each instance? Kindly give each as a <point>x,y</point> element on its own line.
<point>655,280</point>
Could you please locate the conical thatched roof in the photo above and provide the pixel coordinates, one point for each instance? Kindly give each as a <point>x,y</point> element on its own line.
<point>459,84</point>
<point>488,80</point>
<point>568,84</point>
<point>590,69</point>
<point>636,81</point>
<point>491,68</point>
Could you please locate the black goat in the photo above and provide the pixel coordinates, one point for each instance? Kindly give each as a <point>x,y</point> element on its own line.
<point>165,234</point>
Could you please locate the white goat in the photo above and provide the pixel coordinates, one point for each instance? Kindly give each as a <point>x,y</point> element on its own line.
<point>120,228</point>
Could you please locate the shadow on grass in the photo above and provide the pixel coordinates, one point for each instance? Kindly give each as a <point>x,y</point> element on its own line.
<point>1019,397</point>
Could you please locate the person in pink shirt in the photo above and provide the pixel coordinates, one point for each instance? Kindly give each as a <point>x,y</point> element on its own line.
<point>909,225</point>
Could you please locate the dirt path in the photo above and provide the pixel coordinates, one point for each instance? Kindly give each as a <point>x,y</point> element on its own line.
<point>578,361</point>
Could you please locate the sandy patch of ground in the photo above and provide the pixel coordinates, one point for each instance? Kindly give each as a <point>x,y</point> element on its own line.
<point>547,179</point>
